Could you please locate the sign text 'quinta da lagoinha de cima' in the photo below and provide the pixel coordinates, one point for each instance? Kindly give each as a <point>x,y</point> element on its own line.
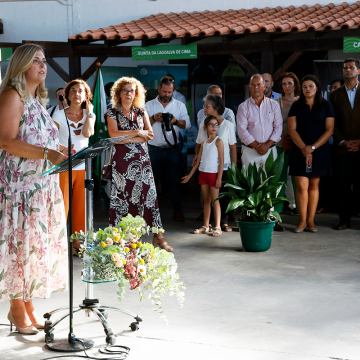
<point>351,44</point>
<point>164,52</point>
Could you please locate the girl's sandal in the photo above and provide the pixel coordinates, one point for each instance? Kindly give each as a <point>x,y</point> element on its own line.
<point>217,232</point>
<point>207,230</point>
<point>163,244</point>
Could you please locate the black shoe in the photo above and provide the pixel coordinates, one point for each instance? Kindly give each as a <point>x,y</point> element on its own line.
<point>278,227</point>
<point>294,211</point>
<point>342,225</point>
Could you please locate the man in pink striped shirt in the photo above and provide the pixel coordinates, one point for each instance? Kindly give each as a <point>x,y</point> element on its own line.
<point>259,124</point>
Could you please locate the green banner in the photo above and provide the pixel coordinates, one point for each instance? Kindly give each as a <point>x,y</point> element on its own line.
<point>5,54</point>
<point>164,52</point>
<point>351,44</point>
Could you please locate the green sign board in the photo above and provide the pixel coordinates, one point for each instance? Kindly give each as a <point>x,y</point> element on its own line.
<point>164,52</point>
<point>5,54</point>
<point>351,44</point>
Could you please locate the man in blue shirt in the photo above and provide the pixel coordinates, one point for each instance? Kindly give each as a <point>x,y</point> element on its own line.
<point>269,83</point>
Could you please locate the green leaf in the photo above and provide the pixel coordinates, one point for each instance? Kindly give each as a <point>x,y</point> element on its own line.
<point>34,210</point>
<point>276,215</point>
<point>234,204</point>
<point>53,270</point>
<point>27,261</point>
<point>1,214</point>
<point>30,172</point>
<point>32,286</point>
<point>37,186</point>
<point>2,274</point>
<point>62,234</point>
<point>269,163</point>
<point>264,184</point>
<point>58,201</point>
<point>277,169</point>
<point>251,176</point>
<point>43,227</point>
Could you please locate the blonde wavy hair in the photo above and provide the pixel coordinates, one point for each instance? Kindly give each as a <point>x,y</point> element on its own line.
<point>139,100</point>
<point>20,62</point>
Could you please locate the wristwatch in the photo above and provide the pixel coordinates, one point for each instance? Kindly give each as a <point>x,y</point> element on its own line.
<point>313,147</point>
<point>175,123</point>
<point>90,115</point>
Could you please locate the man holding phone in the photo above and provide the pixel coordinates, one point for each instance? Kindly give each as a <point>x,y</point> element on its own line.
<point>165,148</point>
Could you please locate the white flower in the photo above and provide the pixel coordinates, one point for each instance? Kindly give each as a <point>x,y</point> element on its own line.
<point>115,257</point>
<point>142,269</point>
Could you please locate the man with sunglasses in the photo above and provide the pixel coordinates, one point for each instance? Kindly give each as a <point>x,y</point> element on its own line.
<point>165,148</point>
<point>346,103</point>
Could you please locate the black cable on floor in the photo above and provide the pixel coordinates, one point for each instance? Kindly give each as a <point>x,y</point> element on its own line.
<point>106,350</point>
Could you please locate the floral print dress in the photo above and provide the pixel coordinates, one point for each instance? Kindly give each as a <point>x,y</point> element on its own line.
<point>133,188</point>
<point>33,236</point>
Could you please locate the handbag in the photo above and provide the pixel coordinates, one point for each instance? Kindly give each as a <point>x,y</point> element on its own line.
<point>106,172</point>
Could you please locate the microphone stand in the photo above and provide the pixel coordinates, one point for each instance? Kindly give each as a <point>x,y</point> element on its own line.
<point>72,345</point>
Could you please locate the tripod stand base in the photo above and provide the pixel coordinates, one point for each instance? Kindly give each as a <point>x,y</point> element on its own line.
<point>65,346</point>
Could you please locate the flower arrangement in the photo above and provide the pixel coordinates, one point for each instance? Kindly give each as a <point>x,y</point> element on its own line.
<point>117,254</point>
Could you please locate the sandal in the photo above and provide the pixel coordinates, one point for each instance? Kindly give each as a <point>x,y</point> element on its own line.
<point>163,244</point>
<point>226,228</point>
<point>207,230</point>
<point>217,232</point>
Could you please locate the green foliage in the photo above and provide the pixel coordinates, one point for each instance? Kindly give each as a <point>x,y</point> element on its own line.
<point>256,191</point>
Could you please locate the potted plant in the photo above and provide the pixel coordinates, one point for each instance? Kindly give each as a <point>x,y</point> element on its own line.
<point>256,192</point>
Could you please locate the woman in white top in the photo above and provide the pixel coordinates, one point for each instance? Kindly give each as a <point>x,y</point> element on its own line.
<point>82,120</point>
<point>214,105</point>
<point>211,161</point>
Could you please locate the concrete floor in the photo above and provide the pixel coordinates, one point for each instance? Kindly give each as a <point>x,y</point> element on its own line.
<point>297,301</point>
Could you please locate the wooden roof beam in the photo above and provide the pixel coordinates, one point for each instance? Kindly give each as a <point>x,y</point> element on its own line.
<point>58,69</point>
<point>246,64</point>
<point>92,68</point>
<point>287,64</point>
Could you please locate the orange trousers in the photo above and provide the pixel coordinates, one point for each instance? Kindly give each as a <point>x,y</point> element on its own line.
<point>78,201</point>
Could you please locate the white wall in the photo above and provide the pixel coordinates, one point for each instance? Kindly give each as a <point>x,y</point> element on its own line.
<point>52,21</point>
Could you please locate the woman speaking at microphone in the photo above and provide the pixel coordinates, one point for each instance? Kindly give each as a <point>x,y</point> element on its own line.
<point>33,239</point>
<point>81,119</point>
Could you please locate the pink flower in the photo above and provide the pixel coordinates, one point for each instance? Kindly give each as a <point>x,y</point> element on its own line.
<point>109,241</point>
<point>118,263</point>
<point>122,242</point>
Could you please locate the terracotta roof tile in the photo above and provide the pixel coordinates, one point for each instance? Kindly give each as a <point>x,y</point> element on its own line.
<point>209,23</point>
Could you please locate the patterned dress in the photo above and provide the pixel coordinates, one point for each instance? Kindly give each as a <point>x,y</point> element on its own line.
<point>132,187</point>
<point>33,239</point>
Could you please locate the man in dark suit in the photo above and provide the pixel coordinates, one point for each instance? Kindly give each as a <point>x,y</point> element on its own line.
<point>346,103</point>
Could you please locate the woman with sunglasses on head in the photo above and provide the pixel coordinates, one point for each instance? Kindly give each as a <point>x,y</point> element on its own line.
<point>81,118</point>
<point>310,123</point>
<point>214,106</point>
<point>290,91</point>
<point>133,188</point>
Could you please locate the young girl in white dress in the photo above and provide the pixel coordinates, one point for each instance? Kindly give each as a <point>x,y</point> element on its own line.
<point>211,164</point>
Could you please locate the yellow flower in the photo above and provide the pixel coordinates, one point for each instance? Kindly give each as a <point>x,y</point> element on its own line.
<point>124,262</point>
<point>114,231</point>
<point>141,261</point>
<point>139,244</point>
<point>133,246</point>
<point>127,249</point>
<point>102,244</point>
<point>116,238</point>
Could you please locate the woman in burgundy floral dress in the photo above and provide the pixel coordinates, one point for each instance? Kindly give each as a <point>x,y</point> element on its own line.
<point>133,188</point>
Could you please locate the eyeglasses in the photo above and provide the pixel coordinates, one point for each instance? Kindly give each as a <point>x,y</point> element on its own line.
<point>213,125</point>
<point>126,91</point>
<point>256,85</point>
<point>206,106</point>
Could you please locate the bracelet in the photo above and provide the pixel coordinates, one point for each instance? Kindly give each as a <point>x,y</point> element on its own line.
<point>153,118</point>
<point>90,115</point>
<point>45,153</point>
<point>175,123</point>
